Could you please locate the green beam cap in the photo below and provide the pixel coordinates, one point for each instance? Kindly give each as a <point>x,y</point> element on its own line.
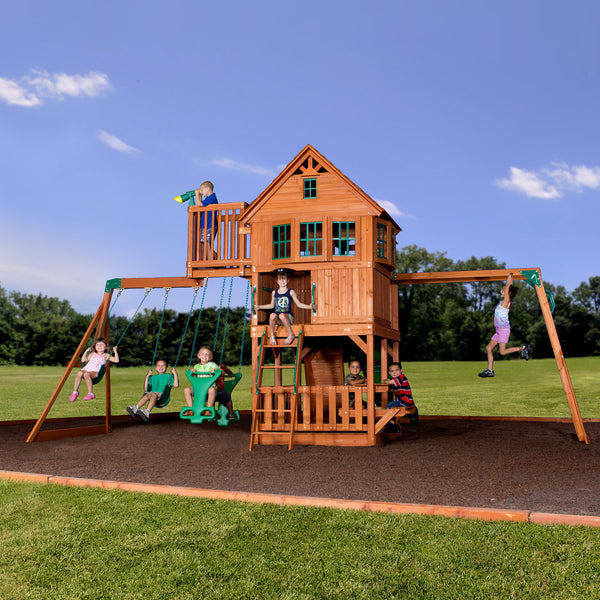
<point>112,284</point>
<point>532,277</point>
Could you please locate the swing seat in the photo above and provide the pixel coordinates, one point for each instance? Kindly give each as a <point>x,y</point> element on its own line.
<point>165,397</point>
<point>100,375</point>
<point>199,412</point>
<point>228,384</point>
<point>231,383</point>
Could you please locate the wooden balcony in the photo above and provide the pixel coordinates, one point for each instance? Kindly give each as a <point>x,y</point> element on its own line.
<point>223,244</point>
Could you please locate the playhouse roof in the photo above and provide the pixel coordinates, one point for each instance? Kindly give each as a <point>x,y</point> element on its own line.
<point>298,163</point>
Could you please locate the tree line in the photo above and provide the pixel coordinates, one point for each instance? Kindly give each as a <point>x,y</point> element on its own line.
<point>449,321</point>
<point>454,321</point>
<point>39,330</point>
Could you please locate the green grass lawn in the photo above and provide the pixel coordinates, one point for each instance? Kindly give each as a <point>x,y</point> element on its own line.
<point>520,388</point>
<point>65,543</point>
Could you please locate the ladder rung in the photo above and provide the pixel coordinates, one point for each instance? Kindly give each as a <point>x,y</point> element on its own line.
<point>278,367</point>
<point>273,410</point>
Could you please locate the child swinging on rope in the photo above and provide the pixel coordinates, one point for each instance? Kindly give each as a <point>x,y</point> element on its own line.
<point>281,301</point>
<point>95,358</point>
<point>154,388</point>
<point>500,338</point>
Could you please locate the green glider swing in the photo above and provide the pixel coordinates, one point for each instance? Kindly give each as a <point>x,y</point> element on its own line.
<point>201,383</point>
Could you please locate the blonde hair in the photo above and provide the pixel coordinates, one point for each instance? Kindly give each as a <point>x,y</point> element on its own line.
<point>208,184</point>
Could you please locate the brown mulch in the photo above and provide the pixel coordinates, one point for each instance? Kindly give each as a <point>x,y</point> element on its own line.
<point>495,464</point>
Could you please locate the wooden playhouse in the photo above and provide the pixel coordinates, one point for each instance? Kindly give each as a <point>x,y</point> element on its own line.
<point>339,248</point>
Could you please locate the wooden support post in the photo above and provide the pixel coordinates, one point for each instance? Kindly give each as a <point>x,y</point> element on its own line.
<point>370,390</point>
<point>33,434</point>
<point>561,364</point>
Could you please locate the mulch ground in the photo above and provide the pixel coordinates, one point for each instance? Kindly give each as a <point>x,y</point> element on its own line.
<point>494,464</point>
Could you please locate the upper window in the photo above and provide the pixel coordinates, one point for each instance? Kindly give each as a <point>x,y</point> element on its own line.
<point>382,242</point>
<point>281,241</point>
<point>311,239</point>
<point>310,188</point>
<point>343,236</point>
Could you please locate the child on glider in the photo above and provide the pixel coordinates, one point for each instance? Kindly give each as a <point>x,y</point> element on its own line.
<point>95,358</point>
<point>281,301</point>
<point>500,338</point>
<point>223,396</point>
<point>154,388</point>
<point>206,365</point>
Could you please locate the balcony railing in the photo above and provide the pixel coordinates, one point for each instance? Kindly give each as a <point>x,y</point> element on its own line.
<point>215,238</point>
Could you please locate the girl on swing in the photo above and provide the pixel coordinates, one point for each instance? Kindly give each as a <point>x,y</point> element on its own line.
<point>281,301</point>
<point>96,358</point>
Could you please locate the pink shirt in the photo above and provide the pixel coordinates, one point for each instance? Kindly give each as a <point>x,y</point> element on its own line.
<point>95,362</point>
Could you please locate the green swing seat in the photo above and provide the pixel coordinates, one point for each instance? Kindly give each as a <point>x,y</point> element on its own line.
<point>100,375</point>
<point>199,412</point>
<point>165,397</point>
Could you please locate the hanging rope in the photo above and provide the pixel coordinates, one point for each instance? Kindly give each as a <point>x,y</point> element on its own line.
<point>134,315</point>
<point>219,316</point>
<point>244,327</point>
<point>167,290</point>
<point>226,321</point>
<point>186,326</point>
<point>199,318</point>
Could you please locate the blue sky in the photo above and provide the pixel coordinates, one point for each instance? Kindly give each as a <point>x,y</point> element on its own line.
<point>475,123</point>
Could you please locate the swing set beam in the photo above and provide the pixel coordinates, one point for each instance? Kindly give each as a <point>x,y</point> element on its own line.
<point>100,322</point>
<point>518,274</point>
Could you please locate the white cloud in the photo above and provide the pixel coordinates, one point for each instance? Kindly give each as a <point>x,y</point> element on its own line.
<point>32,90</point>
<point>229,163</point>
<point>529,184</point>
<point>392,209</point>
<point>12,93</point>
<point>552,182</point>
<point>115,143</point>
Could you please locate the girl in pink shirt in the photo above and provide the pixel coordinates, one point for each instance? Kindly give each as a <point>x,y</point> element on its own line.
<point>95,358</point>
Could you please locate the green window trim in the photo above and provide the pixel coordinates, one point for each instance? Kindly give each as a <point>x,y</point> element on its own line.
<point>343,236</point>
<point>311,239</point>
<point>310,188</point>
<point>282,241</point>
<point>382,242</point>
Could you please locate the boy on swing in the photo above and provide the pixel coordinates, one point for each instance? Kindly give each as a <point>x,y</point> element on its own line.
<point>154,388</point>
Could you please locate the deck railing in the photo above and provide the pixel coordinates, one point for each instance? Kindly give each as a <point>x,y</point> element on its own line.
<point>222,244</point>
<point>320,408</point>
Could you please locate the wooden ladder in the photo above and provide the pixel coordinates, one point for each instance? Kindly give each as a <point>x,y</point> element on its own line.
<point>260,410</point>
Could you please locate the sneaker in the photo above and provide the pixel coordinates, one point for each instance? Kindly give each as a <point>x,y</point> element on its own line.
<point>73,396</point>
<point>526,352</point>
<point>144,413</point>
<point>89,396</point>
<point>487,373</point>
<point>133,410</point>
<point>232,417</point>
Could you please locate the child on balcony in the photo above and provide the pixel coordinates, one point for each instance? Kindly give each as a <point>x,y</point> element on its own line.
<point>281,301</point>
<point>205,195</point>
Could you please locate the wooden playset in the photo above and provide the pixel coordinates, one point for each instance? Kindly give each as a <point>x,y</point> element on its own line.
<point>338,247</point>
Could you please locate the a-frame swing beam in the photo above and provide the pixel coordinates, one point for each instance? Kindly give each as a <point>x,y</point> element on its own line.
<point>100,320</point>
<point>501,275</point>
<point>36,435</point>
